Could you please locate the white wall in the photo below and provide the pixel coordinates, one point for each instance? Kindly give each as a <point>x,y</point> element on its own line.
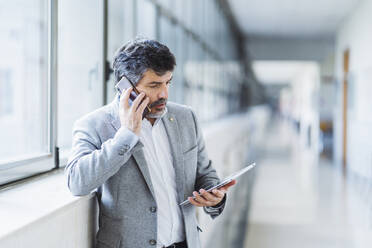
<point>356,34</point>
<point>305,87</point>
<point>300,102</point>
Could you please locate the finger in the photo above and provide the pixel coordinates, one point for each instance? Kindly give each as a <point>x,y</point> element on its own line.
<point>143,105</point>
<point>218,193</point>
<point>137,101</point>
<point>233,182</point>
<point>195,203</point>
<point>208,196</point>
<point>227,186</point>
<point>124,98</point>
<point>200,199</point>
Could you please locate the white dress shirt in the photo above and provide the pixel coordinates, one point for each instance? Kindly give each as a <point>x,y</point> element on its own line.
<point>170,226</point>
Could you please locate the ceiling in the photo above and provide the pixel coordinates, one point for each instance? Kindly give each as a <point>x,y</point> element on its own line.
<point>291,18</point>
<point>278,72</point>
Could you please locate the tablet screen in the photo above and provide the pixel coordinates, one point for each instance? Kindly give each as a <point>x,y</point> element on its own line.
<point>226,180</point>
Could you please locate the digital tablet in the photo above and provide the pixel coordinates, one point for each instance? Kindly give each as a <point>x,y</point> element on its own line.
<point>226,180</point>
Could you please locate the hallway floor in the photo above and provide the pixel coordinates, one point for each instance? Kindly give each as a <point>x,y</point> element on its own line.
<point>297,201</point>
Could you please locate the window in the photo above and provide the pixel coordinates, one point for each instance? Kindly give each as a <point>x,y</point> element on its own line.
<point>7,94</point>
<point>146,19</point>
<point>24,113</point>
<point>33,120</point>
<point>121,28</point>
<point>80,85</point>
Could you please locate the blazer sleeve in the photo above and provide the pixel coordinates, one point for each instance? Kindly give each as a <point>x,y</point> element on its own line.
<point>92,163</point>
<point>206,175</point>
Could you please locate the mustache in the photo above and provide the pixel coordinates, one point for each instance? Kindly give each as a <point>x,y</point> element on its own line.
<point>158,102</point>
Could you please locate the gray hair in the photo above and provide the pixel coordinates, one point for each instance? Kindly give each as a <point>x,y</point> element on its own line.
<point>137,56</point>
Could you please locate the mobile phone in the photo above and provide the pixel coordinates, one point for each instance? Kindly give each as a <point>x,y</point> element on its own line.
<point>124,84</point>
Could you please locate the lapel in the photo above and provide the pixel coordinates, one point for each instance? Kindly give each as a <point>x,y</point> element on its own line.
<point>172,128</point>
<point>137,152</point>
<point>139,156</point>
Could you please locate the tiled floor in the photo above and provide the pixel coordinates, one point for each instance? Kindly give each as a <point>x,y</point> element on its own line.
<point>298,201</point>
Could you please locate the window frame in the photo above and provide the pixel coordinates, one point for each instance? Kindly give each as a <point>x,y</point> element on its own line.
<point>38,164</point>
<point>29,166</point>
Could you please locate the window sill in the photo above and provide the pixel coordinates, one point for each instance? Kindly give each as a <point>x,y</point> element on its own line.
<point>26,203</point>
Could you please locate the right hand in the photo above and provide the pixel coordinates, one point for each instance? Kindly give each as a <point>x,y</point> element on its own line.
<point>131,116</point>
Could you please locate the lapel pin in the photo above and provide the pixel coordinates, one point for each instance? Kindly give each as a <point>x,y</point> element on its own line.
<point>171,119</point>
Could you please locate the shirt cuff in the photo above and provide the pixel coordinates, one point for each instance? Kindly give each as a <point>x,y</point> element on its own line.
<point>217,209</point>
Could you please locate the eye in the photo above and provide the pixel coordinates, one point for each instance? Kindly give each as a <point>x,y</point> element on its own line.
<point>169,82</point>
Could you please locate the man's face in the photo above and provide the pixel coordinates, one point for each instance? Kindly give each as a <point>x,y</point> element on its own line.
<point>156,88</point>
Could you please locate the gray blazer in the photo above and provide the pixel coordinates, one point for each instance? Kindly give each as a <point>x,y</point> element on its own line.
<point>105,158</point>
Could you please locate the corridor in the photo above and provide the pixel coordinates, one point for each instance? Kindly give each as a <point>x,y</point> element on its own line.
<point>296,202</point>
<point>284,84</point>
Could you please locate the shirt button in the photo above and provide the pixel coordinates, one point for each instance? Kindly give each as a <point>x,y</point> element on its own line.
<point>152,242</point>
<point>153,209</point>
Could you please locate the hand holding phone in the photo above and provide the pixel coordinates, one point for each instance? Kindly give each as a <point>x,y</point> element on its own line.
<point>131,115</point>
<point>124,84</point>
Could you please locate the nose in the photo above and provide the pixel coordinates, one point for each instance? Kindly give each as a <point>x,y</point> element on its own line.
<point>164,93</point>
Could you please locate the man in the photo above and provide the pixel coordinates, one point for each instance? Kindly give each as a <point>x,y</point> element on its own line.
<point>143,168</point>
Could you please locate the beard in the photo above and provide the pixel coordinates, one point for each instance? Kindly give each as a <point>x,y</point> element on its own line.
<point>153,105</point>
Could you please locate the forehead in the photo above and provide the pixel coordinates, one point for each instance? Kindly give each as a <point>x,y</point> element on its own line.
<point>150,76</point>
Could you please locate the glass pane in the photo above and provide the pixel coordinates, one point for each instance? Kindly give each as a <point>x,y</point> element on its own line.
<point>120,30</point>
<point>146,16</point>
<point>168,38</point>
<point>23,79</point>
<point>166,4</point>
<point>80,87</point>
